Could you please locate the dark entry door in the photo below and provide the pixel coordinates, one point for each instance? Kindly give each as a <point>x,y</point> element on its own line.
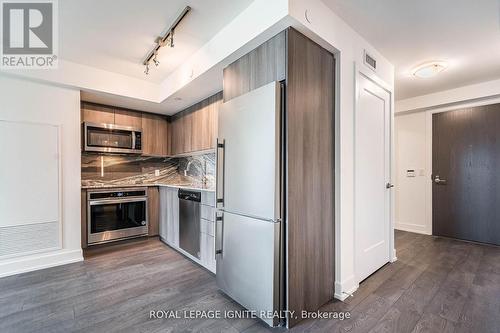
<point>466,174</point>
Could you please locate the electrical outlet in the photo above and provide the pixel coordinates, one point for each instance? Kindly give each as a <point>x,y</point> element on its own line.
<point>157,173</point>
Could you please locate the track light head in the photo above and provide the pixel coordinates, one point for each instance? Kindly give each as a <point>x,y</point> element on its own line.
<point>155,60</point>
<point>146,70</point>
<point>172,38</point>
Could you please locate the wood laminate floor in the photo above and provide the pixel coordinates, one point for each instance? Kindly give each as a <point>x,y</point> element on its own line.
<point>437,285</point>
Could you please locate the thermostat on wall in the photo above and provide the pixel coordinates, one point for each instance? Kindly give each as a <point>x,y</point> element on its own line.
<point>410,173</point>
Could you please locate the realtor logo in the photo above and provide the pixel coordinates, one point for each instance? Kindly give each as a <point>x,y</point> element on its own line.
<point>29,34</point>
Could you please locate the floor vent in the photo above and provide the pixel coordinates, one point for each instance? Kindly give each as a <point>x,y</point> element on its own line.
<point>20,239</point>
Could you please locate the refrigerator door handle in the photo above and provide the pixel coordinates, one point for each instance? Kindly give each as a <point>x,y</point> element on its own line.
<point>219,178</point>
<point>219,233</point>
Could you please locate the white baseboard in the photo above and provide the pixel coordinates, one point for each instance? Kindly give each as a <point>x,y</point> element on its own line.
<point>38,261</point>
<point>417,228</point>
<point>345,288</point>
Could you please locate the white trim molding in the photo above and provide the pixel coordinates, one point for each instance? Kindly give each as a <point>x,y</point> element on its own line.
<point>394,257</point>
<point>39,261</point>
<point>346,288</point>
<point>412,227</point>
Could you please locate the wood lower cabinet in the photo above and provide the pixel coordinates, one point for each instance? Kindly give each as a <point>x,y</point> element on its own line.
<point>169,216</point>
<point>153,210</point>
<point>83,213</point>
<point>154,135</point>
<point>195,128</point>
<point>207,237</point>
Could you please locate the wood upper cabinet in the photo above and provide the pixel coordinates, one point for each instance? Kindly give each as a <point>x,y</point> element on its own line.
<point>129,118</point>
<point>204,126</point>
<point>154,135</point>
<point>104,114</point>
<point>181,134</point>
<point>175,136</point>
<point>263,65</point>
<point>195,128</point>
<point>99,114</point>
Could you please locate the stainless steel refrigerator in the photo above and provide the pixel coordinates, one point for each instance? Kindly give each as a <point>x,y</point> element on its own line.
<point>249,226</point>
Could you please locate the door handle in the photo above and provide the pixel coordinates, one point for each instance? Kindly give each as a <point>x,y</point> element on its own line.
<point>389,185</point>
<point>219,232</point>
<point>219,179</point>
<point>439,181</point>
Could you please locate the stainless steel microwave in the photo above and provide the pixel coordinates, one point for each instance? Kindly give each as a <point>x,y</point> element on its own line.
<point>110,138</point>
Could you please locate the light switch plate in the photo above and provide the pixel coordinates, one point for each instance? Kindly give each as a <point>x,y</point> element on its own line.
<point>157,173</point>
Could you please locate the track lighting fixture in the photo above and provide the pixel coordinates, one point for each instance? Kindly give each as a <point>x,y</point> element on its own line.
<point>166,39</point>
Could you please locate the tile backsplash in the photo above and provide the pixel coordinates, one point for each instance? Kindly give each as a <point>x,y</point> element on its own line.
<point>121,170</point>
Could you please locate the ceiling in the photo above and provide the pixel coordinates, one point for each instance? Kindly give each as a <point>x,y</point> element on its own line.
<point>464,33</point>
<point>117,35</point>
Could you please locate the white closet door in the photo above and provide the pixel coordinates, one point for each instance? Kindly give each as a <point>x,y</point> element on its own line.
<point>29,191</point>
<point>372,174</point>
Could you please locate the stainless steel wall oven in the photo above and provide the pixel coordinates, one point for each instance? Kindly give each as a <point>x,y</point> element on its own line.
<point>116,214</point>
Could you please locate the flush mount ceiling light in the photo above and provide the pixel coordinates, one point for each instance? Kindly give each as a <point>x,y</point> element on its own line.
<point>429,69</point>
<point>166,39</point>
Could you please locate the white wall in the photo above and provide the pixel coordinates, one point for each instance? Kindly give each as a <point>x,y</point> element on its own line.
<point>25,101</point>
<point>411,153</point>
<point>327,29</point>
<point>413,124</point>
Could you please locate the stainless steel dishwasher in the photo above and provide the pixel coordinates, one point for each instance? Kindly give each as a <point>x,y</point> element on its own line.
<point>189,221</point>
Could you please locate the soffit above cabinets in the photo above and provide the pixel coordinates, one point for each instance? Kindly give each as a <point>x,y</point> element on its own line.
<point>115,36</point>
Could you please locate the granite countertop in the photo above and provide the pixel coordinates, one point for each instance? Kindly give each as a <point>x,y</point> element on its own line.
<point>195,187</point>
